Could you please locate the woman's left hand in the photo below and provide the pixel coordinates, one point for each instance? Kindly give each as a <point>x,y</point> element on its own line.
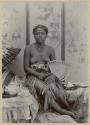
<point>50,79</point>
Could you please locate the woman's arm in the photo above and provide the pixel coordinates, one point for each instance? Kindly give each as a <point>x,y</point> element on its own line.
<point>27,67</point>
<point>52,54</point>
<point>52,77</point>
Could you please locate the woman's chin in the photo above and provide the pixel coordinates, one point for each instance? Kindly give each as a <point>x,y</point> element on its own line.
<point>40,42</point>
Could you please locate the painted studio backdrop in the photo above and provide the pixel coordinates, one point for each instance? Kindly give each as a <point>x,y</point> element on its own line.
<point>67,24</point>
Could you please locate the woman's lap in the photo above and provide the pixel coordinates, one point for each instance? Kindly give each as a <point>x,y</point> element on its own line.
<point>44,88</point>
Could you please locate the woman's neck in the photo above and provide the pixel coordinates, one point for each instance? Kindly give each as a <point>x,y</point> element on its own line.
<point>40,45</point>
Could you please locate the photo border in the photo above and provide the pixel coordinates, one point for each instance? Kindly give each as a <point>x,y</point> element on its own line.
<point>1,29</point>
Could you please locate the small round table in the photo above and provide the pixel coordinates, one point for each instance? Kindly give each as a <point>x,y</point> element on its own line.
<point>21,107</point>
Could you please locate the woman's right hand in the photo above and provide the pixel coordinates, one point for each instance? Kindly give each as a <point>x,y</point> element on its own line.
<point>42,76</point>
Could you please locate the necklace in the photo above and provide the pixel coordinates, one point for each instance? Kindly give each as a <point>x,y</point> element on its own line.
<point>40,47</point>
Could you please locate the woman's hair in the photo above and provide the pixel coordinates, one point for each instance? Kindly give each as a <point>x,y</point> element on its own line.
<point>40,26</point>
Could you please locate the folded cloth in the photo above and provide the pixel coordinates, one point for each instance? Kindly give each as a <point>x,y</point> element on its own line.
<point>73,86</point>
<point>50,117</point>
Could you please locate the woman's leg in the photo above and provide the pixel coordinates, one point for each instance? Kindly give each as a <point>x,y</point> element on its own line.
<point>40,86</point>
<point>60,95</point>
<point>60,110</point>
<point>62,100</point>
<point>59,92</point>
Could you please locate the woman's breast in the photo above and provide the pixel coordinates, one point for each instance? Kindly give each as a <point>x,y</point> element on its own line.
<point>40,58</point>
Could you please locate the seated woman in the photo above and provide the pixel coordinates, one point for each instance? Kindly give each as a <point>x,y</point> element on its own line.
<point>39,79</point>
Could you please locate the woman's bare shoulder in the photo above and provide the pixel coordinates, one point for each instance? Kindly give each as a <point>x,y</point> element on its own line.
<point>50,48</point>
<point>29,47</point>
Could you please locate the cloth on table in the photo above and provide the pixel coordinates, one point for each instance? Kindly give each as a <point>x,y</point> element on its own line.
<point>50,117</point>
<point>23,106</point>
<point>79,99</point>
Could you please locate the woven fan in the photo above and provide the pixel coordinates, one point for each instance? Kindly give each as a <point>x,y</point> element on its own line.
<point>9,55</point>
<point>59,69</point>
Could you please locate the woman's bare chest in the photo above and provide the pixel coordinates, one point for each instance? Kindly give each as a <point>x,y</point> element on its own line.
<point>39,56</point>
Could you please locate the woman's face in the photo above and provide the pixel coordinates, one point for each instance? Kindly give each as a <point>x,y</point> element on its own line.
<point>40,35</point>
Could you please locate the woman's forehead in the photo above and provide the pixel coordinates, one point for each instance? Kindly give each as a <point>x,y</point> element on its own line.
<point>39,29</point>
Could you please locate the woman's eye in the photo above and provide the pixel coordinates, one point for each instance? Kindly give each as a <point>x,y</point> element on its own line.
<point>36,34</point>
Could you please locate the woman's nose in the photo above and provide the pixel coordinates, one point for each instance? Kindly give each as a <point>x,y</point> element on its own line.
<point>40,34</point>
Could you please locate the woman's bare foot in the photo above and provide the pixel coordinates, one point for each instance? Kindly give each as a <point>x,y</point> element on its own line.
<point>73,115</point>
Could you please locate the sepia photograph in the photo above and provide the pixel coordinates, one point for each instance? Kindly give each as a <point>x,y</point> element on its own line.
<point>44,62</point>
